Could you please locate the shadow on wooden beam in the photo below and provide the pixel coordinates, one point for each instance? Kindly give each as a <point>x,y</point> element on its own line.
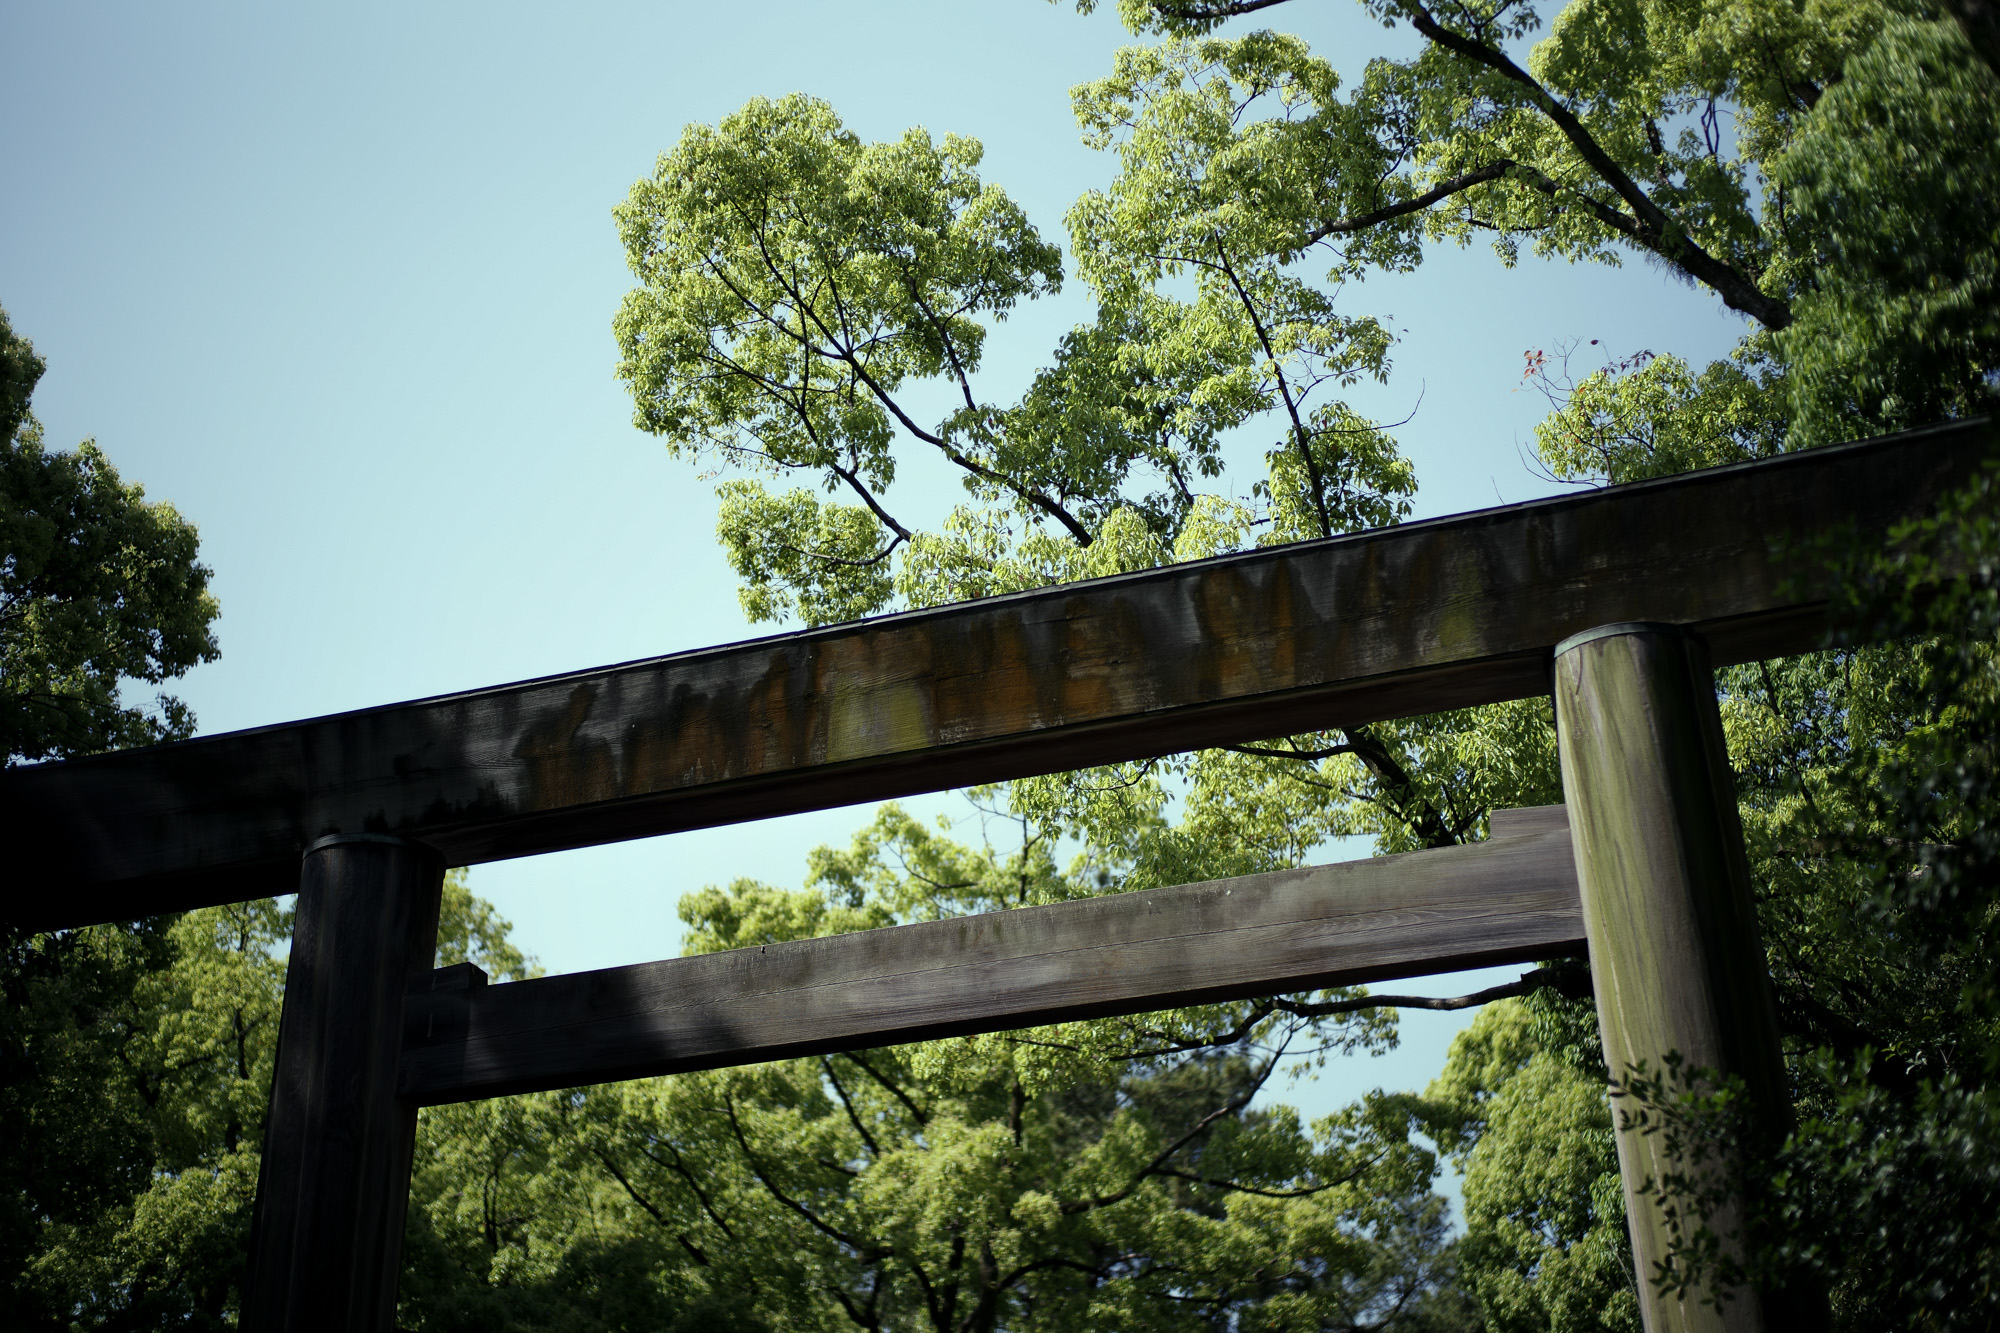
<point>1510,899</point>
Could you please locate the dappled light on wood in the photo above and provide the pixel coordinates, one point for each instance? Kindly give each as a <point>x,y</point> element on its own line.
<point>1392,623</point>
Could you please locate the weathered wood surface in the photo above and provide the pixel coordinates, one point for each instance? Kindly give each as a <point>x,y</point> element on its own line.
<point>1674,951</point>
<point>335,1179</point>
<point>1428,616</point>
<point>1509,899</point>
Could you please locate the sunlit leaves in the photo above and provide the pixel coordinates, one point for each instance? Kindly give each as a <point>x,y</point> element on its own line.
<point>794,280</point>
<point>799,555</point>
<point>1225,160</point>
<point>100,589</point>
<point>1818,157</point>
<point>1546,1245</point>
<point>792,277</point>
<point>1142,398</point>
<point>1652,416</point>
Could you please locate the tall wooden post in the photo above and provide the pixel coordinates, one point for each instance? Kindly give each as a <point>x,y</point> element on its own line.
<point>1675,954</point>
<point>328,1231</point>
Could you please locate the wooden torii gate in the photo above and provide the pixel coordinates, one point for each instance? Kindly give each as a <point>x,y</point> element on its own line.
<point>1617,601</point>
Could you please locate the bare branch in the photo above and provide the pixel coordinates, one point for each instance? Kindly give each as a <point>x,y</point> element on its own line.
<point>1300,434</point>
<point>1526,984</point>
<point>1324,752</point>
<point>853,1116</point>
<point>1416,204</point>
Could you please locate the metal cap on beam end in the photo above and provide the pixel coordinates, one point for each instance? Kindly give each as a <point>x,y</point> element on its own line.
<point>386,839</point>
<point>1617,628</point>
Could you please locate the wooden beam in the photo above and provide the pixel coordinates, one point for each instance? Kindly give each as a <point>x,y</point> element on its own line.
<point>1415,619</point>
<point>1510,899</point>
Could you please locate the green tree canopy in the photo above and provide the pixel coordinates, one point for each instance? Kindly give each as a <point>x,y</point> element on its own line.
<point>98,587</point>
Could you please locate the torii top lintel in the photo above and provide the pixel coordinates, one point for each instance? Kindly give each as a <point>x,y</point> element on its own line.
<point>1419,618</point>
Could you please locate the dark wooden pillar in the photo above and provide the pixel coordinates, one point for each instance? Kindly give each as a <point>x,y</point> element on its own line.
<point>1674,949</point>
<point>328,1231</point>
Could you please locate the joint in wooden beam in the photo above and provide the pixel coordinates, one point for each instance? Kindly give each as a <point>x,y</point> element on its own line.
<point>455,978</point>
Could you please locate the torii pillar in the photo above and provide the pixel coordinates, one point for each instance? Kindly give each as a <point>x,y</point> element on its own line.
<point>1675,954</point>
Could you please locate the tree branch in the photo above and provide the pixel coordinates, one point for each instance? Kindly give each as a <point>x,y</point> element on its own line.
<point>693,1250</point>
<point>823,558</point>
<point>1229,1107</point>
<point>852,478</point>
<point>852,1116</point>
<point>1428,824</point>
<point>852,359</point>
<point>1300,434</point>
<point>1416,204</point>
<point>1529,982</point>
<point>679,1168</point>
<point>1211,13</point>
<point>1655,229</point>
<point>1304,1192</point>
<point>1324,752</point>
<point>916,1111</point>
<point>867,1250</point>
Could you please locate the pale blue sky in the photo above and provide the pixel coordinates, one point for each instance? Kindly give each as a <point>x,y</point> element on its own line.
<point>339,284</point>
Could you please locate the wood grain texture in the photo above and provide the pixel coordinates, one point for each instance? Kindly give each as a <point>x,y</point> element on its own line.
<point>335,1178</point>
<point>1509,899</point>
<point>1424,617</point>
<point>1675,955</point>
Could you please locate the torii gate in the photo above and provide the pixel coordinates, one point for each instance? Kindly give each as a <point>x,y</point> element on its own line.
<point>1618,601</point>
